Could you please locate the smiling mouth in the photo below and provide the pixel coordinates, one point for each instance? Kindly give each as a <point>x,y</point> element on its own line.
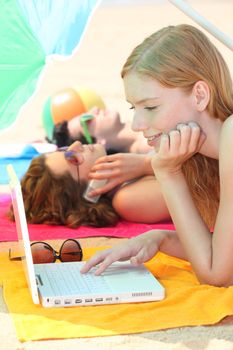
<point>154,137</point>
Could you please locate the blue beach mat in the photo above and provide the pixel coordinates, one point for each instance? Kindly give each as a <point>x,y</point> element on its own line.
<point>20,156</point>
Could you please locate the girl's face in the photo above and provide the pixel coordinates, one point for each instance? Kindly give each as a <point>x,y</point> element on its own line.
<point>157,109</point>
<point>86,155</point>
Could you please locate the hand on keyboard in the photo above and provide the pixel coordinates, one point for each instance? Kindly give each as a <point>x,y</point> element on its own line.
<point>138,250</point>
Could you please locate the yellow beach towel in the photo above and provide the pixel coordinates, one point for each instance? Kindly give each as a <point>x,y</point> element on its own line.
<point>187,303</point>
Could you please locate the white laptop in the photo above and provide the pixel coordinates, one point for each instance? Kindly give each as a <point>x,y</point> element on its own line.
<point>62,284</point>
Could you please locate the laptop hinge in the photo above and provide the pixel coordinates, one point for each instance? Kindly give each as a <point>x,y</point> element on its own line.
<point>39,280</point>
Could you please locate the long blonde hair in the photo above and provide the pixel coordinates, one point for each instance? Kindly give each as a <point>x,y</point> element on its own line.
<point>179,56</point>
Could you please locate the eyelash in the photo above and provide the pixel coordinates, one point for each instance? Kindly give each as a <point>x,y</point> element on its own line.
<point>147,108</point>
<point>150,108</point>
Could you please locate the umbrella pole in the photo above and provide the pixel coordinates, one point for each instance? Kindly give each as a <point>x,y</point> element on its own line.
<point>203,22</point>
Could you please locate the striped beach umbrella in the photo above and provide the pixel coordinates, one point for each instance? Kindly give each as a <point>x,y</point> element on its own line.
<point>32,31</point>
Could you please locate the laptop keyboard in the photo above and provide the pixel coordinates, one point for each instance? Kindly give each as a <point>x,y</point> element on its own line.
<point>66,278</point>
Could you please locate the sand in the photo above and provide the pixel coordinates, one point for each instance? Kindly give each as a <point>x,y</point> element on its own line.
<point>116,27</point>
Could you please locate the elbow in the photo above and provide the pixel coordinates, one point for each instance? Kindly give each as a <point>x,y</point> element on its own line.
<point>217,280</point>
<point>124,206</point>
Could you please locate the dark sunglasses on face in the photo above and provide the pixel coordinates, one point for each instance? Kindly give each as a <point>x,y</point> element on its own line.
<point>69,155</point>
<point>43,253</point>
<point>84,119</point>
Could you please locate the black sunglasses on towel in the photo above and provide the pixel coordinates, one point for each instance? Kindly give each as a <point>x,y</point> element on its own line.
<point>44,253</point>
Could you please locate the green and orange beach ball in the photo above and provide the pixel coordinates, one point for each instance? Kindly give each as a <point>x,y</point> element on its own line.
<point>67,104</point>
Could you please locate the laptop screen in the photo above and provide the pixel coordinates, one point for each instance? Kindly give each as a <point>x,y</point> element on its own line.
<point>22,232</point>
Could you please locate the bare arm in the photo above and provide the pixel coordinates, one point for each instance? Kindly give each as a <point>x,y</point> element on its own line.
<point>120,167</point>
<point>210,255</point>
<point>193,233</point>
<point>141,201</point>
<point>138,249</point>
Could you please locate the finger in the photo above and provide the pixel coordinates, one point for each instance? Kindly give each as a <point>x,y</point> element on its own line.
<point>95,260</point>
<point>134,261</point>
<point>108,187</point>
<point>195,136</point>
<point>164,144</point>
<point>175,140</point>
<point>103,172</point>
<point>106,165</point>
<point>110,158</point>
<point>140,258</point>
<point>100,160</point>
<point>102,267</point>
<point>109,260</point>
<point>202,139</point>
<point>179,126</point>
<point>185,132</point>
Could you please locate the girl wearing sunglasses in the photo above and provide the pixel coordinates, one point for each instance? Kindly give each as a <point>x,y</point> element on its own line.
<point>54,185</point>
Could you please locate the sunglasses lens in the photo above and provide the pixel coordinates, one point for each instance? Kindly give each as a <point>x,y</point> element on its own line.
<point>86,117</point>
<point>71,251</point>
<point>71,157</point>
<point>42,253</point>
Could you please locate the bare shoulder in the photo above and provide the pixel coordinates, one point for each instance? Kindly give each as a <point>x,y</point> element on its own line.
<point>227,133</point>
<point>226,146</point>
<point>228,124</point>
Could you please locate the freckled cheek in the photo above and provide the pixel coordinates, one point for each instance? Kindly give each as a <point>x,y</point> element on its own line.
<point>168,120</point>
<point>160,121</point>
